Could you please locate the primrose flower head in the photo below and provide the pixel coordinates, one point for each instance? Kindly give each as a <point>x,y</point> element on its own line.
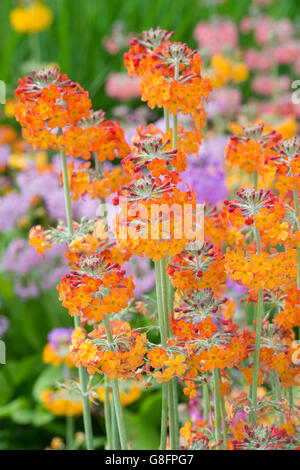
<point>250,202</point>
<point>63,401</point>
<point>200,304</point>
<point>48,102</point>
<point>152,38</point>
<point>260,437</point>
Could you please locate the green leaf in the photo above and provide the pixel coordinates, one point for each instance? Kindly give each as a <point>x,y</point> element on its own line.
<point>150,410</point>
<point>143,435</point>
<point>48,378</point>
<point>21,369</point>
<point>12,407</point>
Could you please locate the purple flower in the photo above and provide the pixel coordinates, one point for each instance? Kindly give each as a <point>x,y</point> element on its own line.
<point>205,173</point>
<point>4,155</point>
<point>60,337</point>
<point>29,271</point>
<point>143,274</point>
<point>4,325</point>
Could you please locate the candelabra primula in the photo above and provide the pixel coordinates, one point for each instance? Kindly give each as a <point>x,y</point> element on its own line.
<point>252,240</point>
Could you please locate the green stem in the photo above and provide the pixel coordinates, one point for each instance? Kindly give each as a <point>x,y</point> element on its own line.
<point>163,337</point>
<point>167,119</point>
<point>224,424</point>
<point>107,414</point>
<point>164,417</point>
<point>217,405</point>
<point>278,391</point>
<point>259,317</point>
<point>290,397</point>
<point>172,393</point>
<point>81,371</point>
<point>165,331</point>
<point>116,394</point>
<point>255,180</point>
<point>115,432</point>
<point>206,399</point>
<point>174,387</point>
<point>69,432</point>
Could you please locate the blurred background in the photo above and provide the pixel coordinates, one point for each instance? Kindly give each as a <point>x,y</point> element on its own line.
<point>251,49</point>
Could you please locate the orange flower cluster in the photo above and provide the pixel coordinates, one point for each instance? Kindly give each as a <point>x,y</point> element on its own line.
<point>94,289</point>
<point>84,180</point>
<point>198,269</point>
<point>202,342</point>
<point>95,134</point>
<point>263,270</point>
<point>121,361</point>
<point>151,218</point>
<point>61,403</point>
<point>38,239</point>
<point>289,317</point>
<point>253,151</point>
<point>56,113</point>
<point>56,357</point>
<point>48,101</point>
<point>159,161</point>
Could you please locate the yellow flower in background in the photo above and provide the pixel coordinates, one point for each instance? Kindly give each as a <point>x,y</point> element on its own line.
<point>225,69</point>
<point>240,72</point>
<point>129,392</point>
<point>21,161</point>
<point>10,108</point>
<point>288,128</point>
<point>51,356</point>
<point>31,19</point>
<point>56,443</point>
<point>61,403</point>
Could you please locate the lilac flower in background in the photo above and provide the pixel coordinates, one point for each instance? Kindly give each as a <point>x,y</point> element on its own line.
<point>60,336</point>
<point>12,207</point>
<point>236,289</point>
<point>143,274</point>
<point>29,271</point>
<point>4,155</point>
<point>32,183</point>
<point>205,173</point>
<point>19,257</point>
<point>4,325</point>
<point>26,291</point>
<point>194,410</point>
<point>224,101</point>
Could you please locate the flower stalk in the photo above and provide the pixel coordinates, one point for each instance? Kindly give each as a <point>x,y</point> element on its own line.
<point>81,372</point>
<point>116,394</point>
<point>217,402</point>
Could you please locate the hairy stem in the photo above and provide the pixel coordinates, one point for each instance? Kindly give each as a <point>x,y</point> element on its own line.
<point>224,424</point>
<point>116,394</point>
<point>259,317</point>
<point>69,432</point>
<point>107,414</point>
<point>81,371</point>
<point>216,377</point>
